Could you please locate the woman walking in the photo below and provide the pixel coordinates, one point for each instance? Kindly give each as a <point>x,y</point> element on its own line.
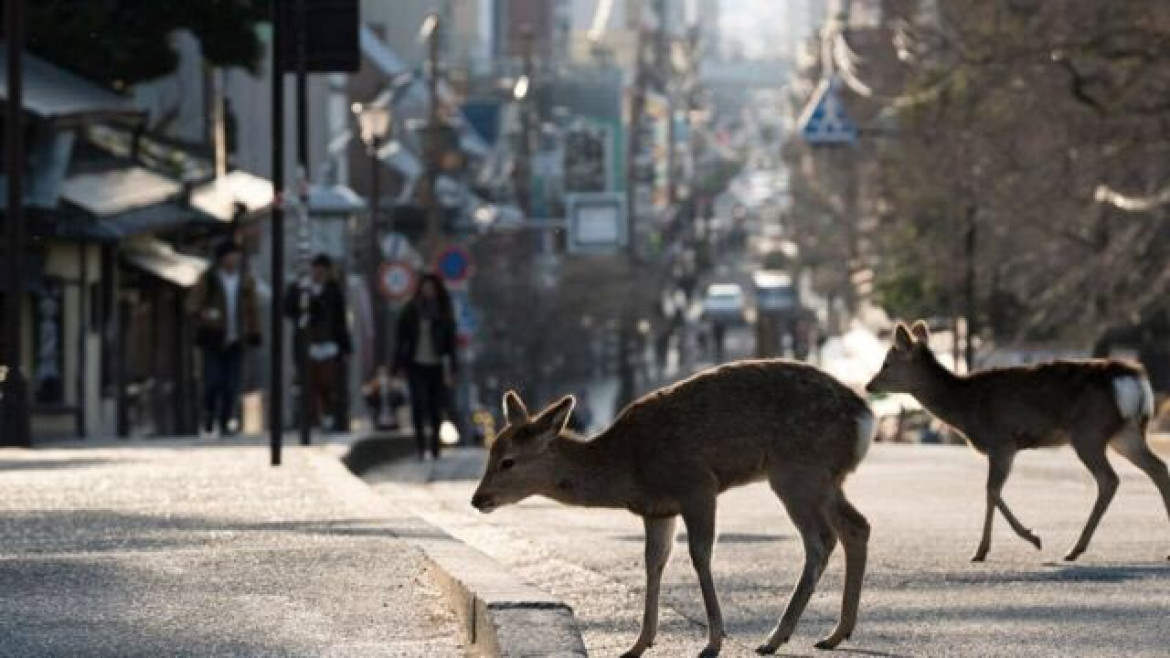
<point>425,353</point>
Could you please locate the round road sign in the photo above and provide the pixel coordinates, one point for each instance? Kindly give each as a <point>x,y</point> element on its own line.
<point>454,264</point>
<point>396,280</point>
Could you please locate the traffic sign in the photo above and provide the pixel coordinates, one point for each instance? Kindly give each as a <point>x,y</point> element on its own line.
<point>396,280</point>
<point>454,264</point>
<point>824,121</point>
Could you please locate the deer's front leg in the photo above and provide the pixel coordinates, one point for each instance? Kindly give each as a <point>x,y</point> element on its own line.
<point>699,517</point>
<point>999,464</point>
<point>660,534</point>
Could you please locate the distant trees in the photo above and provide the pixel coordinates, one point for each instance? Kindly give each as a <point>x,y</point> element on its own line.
<point>1044,127</point>
<point>118,43</point>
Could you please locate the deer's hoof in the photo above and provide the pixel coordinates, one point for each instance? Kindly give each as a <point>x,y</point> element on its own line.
<point>1035,541</point>
<point>709,652</point>
<point>766,649</point>
<point>1072,555</point>
<point>832,641</point>
<point>979,557</point>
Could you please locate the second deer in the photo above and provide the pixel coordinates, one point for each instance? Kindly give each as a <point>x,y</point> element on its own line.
<point>674,451</point>
<point>1091,404</point>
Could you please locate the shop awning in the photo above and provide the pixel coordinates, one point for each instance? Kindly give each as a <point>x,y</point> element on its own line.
<point>113,192</point>
<point>334,200</point>
<point>225,197</point>
<point>54,94</point>
<point>161,260</point>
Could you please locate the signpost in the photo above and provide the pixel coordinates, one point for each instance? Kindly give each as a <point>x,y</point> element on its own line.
<point>824,121</point>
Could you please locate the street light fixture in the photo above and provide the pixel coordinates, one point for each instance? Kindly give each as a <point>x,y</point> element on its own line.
<point>374,124</point>
<point>520,90</point>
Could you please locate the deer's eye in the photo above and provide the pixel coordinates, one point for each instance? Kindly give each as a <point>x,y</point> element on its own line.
<point>505,464</point>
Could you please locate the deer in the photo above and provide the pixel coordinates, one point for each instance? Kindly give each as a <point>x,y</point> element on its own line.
<point>670,453</point>
<point>1091,404</point>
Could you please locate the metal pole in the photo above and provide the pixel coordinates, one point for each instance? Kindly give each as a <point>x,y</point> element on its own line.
<point>969,290</point>
<point>523,174</point>
<point>434,206</point>
<point>626,384</point>
<point>276,374</point>
<point>16,412</point>
<point>306,379</point>
<point>381,347</point>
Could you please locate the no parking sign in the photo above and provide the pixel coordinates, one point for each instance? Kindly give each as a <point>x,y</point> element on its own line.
<point>454,264</point>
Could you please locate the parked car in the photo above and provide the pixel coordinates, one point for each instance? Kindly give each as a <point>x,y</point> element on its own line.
<point>724,302</point>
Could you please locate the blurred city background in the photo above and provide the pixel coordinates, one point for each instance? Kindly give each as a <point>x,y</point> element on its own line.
<point>615,192</point>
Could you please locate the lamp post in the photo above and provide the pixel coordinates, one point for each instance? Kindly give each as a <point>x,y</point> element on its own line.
<point>374,123</point>
<point>431,31</point>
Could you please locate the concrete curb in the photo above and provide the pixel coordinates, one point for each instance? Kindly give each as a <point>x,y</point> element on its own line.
<point>499,614</point>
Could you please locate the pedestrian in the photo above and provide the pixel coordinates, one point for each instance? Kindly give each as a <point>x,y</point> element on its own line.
<point>718,335</point>
<point>327,332</point>
<point>227,321</point>
<point>425,354</point>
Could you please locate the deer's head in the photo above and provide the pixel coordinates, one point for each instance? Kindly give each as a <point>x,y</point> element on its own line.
<point>521,462</point>
<point>907,361</point>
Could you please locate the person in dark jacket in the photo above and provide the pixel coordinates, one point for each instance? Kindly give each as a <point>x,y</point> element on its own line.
<point>327,332</point>
<point>425,353</point>
<point>227,319</point>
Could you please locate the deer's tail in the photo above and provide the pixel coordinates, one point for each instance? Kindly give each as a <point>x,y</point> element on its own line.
<point>866,424</point>
<point>1134,397</point>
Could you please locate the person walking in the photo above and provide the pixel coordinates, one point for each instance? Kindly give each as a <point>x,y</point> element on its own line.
<point>227,320</point>
<point>425,353</point>
<point>327,333</point>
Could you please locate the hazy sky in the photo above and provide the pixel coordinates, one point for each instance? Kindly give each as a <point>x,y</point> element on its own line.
<point>757,24</point>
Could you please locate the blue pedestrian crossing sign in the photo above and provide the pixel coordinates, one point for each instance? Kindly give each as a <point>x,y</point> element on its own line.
<point>824,121</point>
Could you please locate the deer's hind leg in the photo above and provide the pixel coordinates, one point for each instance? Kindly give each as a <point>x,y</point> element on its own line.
<point>1131,443</point>
<point>806,495</point>
<point>1092,454</point>
<point>853,528</point>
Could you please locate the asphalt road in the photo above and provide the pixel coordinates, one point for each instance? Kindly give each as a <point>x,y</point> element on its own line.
<point>922,597</point>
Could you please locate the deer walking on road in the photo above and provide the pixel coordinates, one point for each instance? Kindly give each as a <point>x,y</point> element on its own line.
<point>1091,404</point>
<point>672,452</point>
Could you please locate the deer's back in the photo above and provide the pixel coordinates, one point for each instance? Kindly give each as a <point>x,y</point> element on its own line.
<point>1048,404</point>
<point>738,420</point>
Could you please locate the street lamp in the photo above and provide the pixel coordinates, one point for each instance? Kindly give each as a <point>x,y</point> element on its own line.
<point>374,123</point>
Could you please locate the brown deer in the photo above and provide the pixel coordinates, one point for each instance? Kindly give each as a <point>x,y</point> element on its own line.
<point>672,452</point>
<point>1090,404</point>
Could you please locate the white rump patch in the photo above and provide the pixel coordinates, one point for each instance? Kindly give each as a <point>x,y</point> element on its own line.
<point>1134,397</point>
<point>865,429</point>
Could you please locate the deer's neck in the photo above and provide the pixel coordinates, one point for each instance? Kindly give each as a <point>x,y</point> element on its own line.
<point>943,394</point>
<point>591,474</point>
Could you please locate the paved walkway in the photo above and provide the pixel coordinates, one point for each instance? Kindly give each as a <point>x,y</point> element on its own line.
<point>169,548</point>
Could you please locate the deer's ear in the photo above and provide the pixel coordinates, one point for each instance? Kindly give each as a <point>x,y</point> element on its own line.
<point>902,338</point>
<point>920,332</point>
<point>556,417</point>
<point>514,410</point>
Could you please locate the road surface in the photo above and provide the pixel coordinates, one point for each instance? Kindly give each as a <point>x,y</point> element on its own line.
<point>922,597</point>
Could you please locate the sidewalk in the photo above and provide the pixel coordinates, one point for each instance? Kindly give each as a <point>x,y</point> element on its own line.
<point>201,548</point>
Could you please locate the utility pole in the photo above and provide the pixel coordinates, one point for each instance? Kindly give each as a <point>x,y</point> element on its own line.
<point>627,386</point>
<point>971,310</point>
<point>15,428</point>
<point>276,371</point>
<point>664,66</point>
<point>302,342</point>
<point>522,176</point>
<point>433,144</point>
